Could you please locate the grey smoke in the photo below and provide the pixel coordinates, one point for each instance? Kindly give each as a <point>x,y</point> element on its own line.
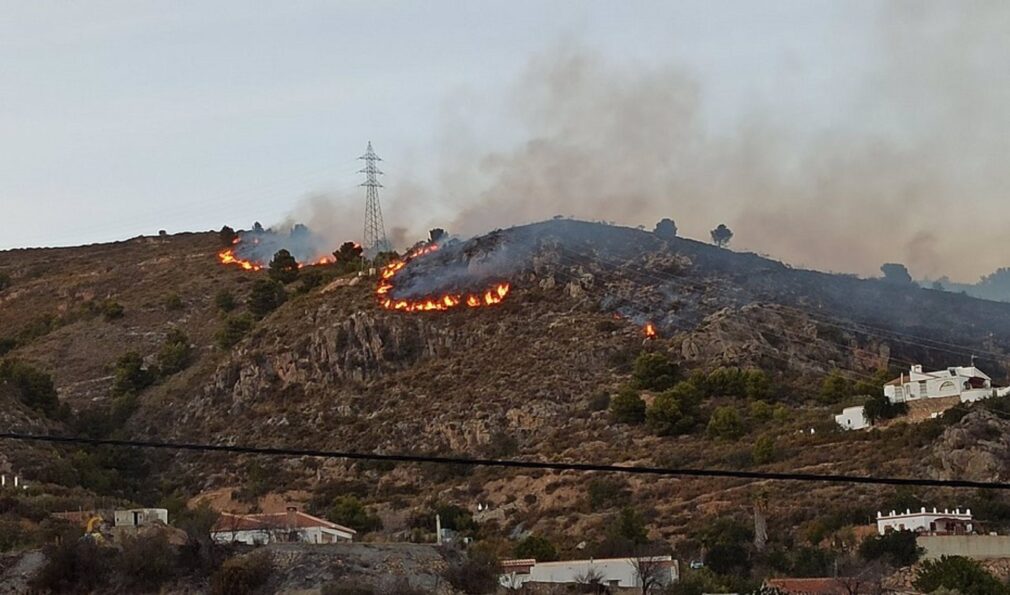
<point>913,168</point>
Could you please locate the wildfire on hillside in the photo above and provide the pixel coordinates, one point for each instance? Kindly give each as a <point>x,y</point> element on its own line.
<point>491,296</point>
<point>252,250</point>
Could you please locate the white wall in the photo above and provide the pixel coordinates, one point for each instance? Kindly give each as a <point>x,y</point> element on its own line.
<point>918,521</point>
<point>617,572</point>
<point>852,418</point>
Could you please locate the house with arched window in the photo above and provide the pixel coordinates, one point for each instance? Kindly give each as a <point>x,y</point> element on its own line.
<point>967,382</point>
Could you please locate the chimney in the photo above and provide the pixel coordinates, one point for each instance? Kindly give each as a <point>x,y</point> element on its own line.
<point>292,517</point>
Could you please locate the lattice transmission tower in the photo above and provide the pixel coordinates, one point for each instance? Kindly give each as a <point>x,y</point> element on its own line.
<point>375,239</point>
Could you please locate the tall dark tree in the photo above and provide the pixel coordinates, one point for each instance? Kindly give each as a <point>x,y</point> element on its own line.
<point>666,228</point>
<point>348,253</point>
<point>227,235</point>
<point>257,227</point>
<point>436,235</point>
<point>896,273</point>
<point>721,235</point>
<point>266,295</point>
<point>283,267</point>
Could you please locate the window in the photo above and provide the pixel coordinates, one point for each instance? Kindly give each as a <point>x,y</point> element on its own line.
<point>948,386</point>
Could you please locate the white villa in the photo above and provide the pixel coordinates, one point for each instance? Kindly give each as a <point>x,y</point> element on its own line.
<point>610,572</point>
<point>280,527</point>
<point>966,383</point>
<point>937,522</point>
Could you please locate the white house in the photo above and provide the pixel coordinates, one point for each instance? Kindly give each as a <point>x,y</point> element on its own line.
<point>279,527</point>
<point>139,517</point>
<point>611,572</point>
<point>967,382</point>
<point>852,418</point>
<point>937,522</point>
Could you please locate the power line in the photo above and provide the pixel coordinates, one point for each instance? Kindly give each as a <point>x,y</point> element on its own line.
<point>511,463</point>
<point>374,239</point>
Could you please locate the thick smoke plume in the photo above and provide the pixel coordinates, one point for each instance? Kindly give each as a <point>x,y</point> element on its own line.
<point>913,166</point>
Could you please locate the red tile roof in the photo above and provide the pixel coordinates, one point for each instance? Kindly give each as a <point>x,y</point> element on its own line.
<point>276,520</point>
<point>809,586</point>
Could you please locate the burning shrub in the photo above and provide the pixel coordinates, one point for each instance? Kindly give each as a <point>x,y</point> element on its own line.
<point>283,267</point>
<point>627,406</point>
<point>265,297</point>
<point>654,371</point>
<point>675,411</point>
<point>234,329</point>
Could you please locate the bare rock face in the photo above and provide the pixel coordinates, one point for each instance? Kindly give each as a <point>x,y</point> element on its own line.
<point>974,449</point>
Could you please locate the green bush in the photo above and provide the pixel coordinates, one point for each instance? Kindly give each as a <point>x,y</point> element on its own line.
<point>654,371</point>
<point>897,548</point>
<point>764,450</point>
<point>627,407</point>
<point>265,297</point>
<point>225,301</point>
<point>600,401</point>
<point>477,573</point>
<point>176,353</point>
<point>242,576</point>
<point>235,328</point>
<point>111,310</point>
<point>538,548</point>
<point>350,512</point>
<point>283,267</point>
<point>757,385</point>
<point>146,561</point>
<point>12,535</point>
<point>879,407</point>
<point>131,377</point>
<point>963,575</point>
<point>34,387</point>
<point>725,423</point>
<point>608,492</point>
<point>761,411</point>
<point>174,302</point>
<point>74,566</point>
<point>835,388</point>
<point>675,411</point>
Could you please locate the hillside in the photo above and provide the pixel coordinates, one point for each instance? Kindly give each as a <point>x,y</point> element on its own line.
<point>524,379</point>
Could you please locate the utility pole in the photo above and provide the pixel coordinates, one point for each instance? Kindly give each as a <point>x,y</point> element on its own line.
<point>374,240</point>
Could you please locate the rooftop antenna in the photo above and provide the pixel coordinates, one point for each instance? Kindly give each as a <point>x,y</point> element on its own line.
<point>374,240</point>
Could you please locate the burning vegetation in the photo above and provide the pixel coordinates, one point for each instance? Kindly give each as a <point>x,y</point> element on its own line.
<point>252,250</point>
<point>491,296</point>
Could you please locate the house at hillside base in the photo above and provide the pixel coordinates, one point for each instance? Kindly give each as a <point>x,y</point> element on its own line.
<point>608,572</point>
<point>292,526</point>
<point>965,383</point>
<point>935,522</point>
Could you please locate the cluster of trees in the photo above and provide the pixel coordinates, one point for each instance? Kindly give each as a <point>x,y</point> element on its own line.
<point>837,388</point>
<point>32,386</point>
<point>666,228</point>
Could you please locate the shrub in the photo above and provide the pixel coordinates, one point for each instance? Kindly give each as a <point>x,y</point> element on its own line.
<point>725,382</point>
<point>653,371</point>
<point>283,267</point>
<point>675,411</point>
<point>34,387</point>
<point>879,407</point>
<point>726,540</point>
<point>835,388</point>
<point>242,576</point>
<point>111,310</point>
<point>725,423</point>
<point>227,235</point>
<point>350,512</point>
<point>12,535</point>
<point>176,353</point>
<point>501,444</point>
<point>478,573</point>
<point>539,548</point>
<point>265,297</point>
<point>131,376</point>
<point>174,302</point>
<point>74,566</point>
<point>757,385</point>
<point>5,281</point>
<point>608,492</point>
<point>627,407</point>
<point>897,547</point>
<point>348,257</point>
<point>629,524</point>
<point>666,228</point>
<point>761,411</point>
<point>600,401</point>
<point>233,330</point>
<point>146,561</point>
<point>764,450</point>
<point>959,574</point>
<point>225,301</point>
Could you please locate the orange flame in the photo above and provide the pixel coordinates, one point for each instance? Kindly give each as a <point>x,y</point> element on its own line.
<point>650,331</point>
<point>228,257</point>
<point>491,297</point>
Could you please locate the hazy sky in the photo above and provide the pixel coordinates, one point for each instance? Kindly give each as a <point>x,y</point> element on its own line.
<point>123,118</point>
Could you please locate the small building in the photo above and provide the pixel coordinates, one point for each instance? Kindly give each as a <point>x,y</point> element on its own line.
<point>967,382</point>
<point>609,572</point>
<point>817,586</point>
<point>292,526</point>
<point>937,522</point>
<point>140,517</point>
<point>852,418</point>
